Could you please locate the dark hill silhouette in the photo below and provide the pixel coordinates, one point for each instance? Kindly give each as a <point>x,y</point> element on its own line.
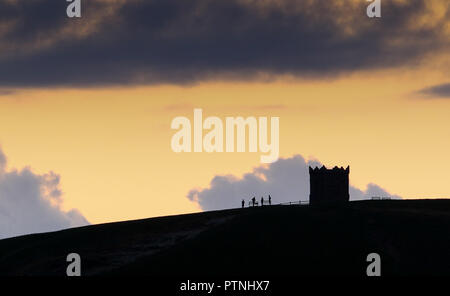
<point>412,237</point>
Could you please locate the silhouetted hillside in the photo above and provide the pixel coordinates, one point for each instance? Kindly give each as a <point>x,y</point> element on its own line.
<point>412,238</point>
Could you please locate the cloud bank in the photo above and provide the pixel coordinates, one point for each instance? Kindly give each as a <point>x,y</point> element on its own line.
<point>179,41</point>
<point>30,203</point>
<point>285,180</point>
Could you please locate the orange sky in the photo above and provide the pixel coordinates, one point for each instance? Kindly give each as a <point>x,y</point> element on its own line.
<point>111,146</point>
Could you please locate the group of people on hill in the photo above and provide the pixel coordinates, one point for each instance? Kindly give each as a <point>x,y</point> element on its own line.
<point>253,201</point>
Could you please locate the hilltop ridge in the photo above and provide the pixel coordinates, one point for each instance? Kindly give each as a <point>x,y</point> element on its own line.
<point>412,237</point>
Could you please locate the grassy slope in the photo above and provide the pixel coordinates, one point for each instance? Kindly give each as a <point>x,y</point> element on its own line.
<point>412,237</point>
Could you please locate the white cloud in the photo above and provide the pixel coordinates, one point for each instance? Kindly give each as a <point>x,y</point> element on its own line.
<point>285,180</point>
<point>31,203</point>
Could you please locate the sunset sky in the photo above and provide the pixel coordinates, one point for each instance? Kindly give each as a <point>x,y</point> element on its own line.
<point>92,99</point>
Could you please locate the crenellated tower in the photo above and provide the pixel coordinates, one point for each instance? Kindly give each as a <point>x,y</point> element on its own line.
<point>329,186</point>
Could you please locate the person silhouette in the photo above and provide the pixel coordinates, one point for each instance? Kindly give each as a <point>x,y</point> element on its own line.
<point>253,201</point>
<point>262,201</point>
<point>243,203</point>
<point>270,200</point>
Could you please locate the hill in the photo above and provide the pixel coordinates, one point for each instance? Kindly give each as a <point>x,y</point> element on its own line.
<point>412,237</point>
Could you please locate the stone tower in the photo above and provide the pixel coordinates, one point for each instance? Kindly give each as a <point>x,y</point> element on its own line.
<point>329,186</point>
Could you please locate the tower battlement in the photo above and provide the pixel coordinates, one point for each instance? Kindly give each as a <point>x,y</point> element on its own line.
<point>329,186</point>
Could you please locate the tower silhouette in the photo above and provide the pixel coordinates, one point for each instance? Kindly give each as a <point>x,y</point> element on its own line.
<point>329,186</point>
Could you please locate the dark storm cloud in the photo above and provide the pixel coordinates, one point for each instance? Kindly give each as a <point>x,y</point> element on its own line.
<point>437,91</point>
<point>286,180</point>
<point>183,41</point>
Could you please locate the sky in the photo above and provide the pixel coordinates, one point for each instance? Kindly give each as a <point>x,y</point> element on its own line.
<point>86,104</point>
